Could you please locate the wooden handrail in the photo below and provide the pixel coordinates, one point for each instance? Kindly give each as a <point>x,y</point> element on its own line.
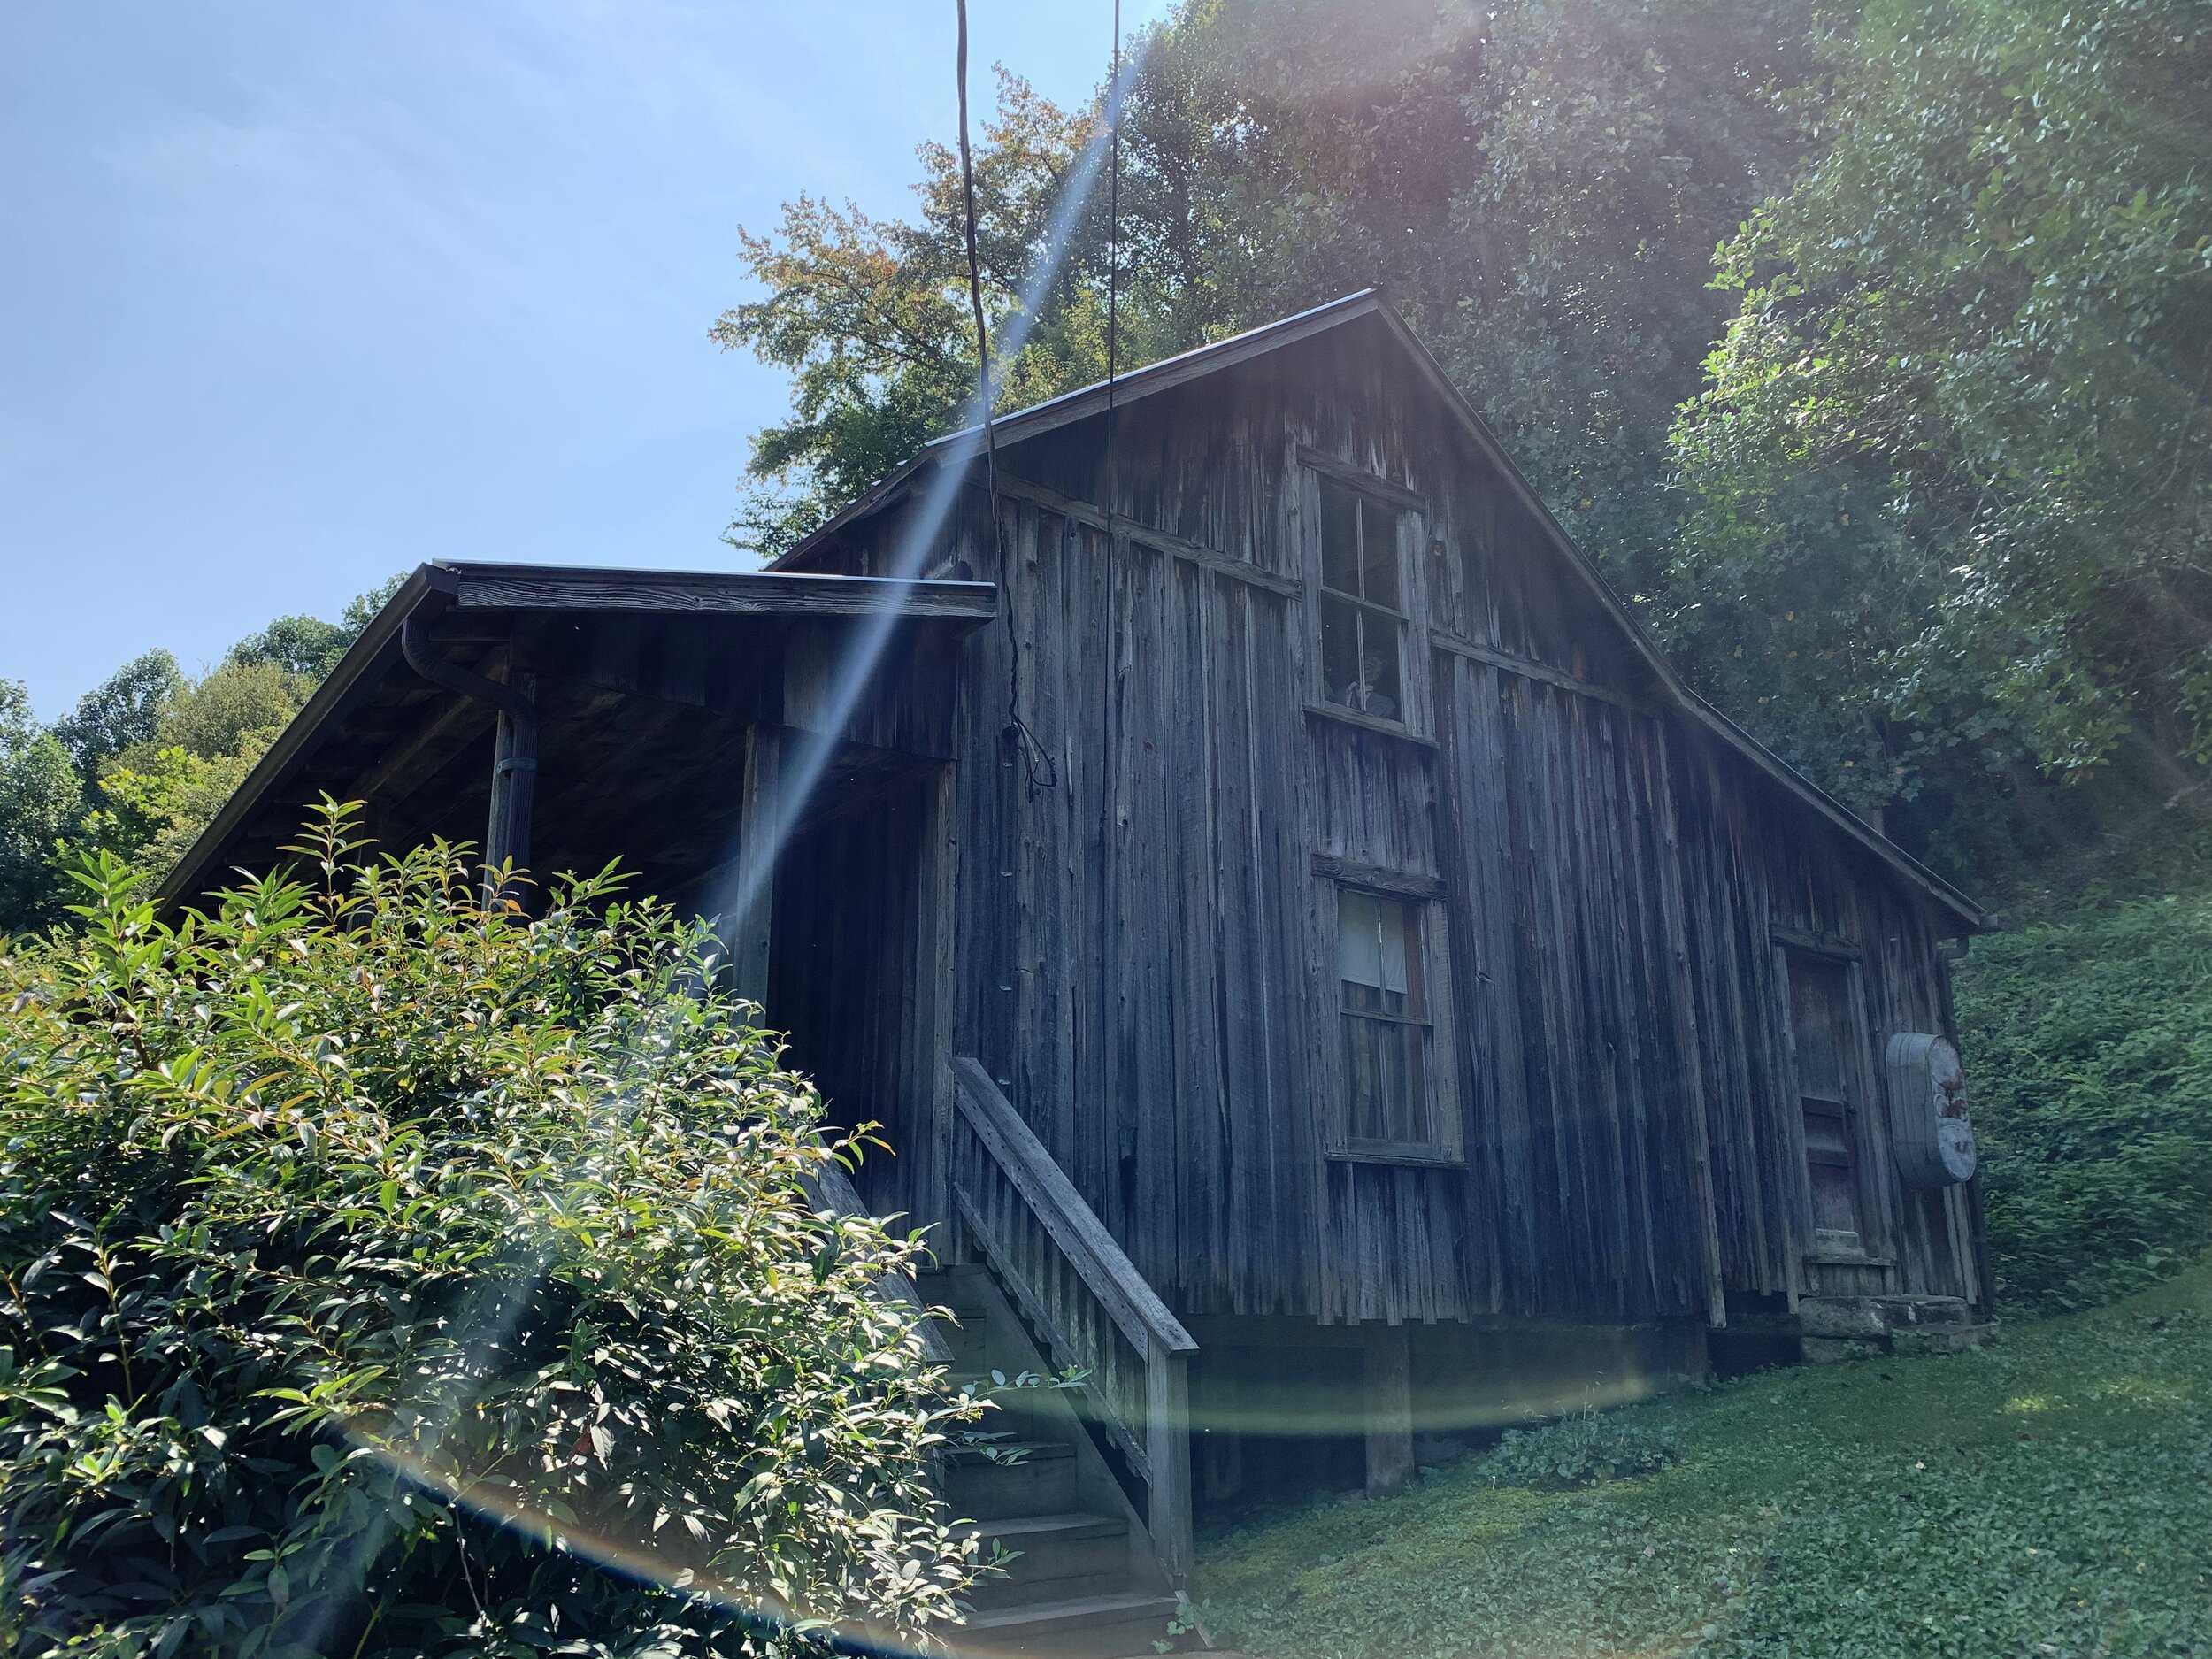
<point>1074,1225</point>
<point>1155,1434</point>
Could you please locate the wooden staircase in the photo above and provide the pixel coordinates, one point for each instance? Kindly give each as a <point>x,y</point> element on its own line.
<point>1083,1489</point>
<point>1084,1581</point>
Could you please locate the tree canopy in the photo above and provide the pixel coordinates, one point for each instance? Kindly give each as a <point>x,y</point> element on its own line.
<point>1949,471</point>
<point>146,758</point>
<point>1865,349</point>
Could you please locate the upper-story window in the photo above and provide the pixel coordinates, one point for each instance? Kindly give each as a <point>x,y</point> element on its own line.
<point>1362,602</point>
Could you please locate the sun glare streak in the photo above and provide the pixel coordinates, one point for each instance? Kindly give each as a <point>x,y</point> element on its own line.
<point>872,634</point>
<point>495,1312</point>
<point>500,1307</point>
<point>748,1602</point>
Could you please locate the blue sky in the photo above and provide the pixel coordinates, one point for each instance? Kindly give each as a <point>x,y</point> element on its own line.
<point>299,295</point>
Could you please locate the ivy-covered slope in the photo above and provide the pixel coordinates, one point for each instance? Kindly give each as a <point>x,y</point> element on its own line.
<point>2089,1050</point>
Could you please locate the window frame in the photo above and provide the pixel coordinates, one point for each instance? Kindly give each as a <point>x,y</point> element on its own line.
<point>1425,896</point>
<point>1408,515</point>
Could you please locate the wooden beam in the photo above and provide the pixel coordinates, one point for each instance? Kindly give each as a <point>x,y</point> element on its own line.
<point>1167,1449</point>
<point>928,1037</point>
<point>1674,911</point>
<point>1373,483</point>
<point>1145,536</point>
<point>1528,668</point>
<point>1388,1397</point>
<point>421,757</point>
<point>762,794</point>
<point>1814,943</point>
<point>758,593</point>
<point>1381,880</point>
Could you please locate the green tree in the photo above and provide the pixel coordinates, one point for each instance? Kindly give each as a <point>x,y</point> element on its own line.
<point>307,646</point>
<point>1953,478</point>
<point>218,714</point>
<point>1539,187</point>
<point>384,1277</point>
<point>124,710</point>
<point>871,316</point>
<point>149,813</point>
<point>41,798</point>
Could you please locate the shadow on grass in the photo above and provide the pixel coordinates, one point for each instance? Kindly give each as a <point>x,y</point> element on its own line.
<point>2049,1495</point>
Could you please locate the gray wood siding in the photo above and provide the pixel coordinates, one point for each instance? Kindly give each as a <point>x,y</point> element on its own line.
<point>1137,953</point>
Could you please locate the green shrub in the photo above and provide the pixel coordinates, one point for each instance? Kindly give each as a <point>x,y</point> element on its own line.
<point>382,1277</point>
<point>2089,1050</point>
<point>1583,1450</point>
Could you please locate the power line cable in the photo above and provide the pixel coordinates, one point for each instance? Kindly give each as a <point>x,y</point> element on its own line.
<point>1042,772</point>
<point>1113,263</point>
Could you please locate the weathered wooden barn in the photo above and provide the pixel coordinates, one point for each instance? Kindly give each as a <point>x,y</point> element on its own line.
<point>1319,967</point>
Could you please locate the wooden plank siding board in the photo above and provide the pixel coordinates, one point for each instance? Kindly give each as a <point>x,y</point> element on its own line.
<point>1140,951</point>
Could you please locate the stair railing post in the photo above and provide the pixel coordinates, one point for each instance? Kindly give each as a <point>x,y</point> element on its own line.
<point>1167,1447</point>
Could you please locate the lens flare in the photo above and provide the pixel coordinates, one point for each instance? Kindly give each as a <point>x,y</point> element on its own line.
<point>956,454</point>
<point>493,1316</point>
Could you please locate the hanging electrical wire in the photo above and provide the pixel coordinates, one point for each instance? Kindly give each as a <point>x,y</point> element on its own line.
<point>1113,263</point>
<point>1042,771</point>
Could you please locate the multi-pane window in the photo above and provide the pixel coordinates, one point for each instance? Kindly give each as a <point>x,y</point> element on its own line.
<point>1382,970</point>
<point>1362,603</point>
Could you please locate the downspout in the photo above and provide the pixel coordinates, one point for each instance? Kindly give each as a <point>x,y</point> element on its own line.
<point>514,765</point>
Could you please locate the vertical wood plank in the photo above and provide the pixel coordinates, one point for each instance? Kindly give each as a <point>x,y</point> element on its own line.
<point>1167,1448</point>
<point>1387,1390</point>
<point>750,931</point>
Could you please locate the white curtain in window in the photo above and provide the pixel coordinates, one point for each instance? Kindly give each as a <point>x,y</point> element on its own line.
<point>1371,942</point>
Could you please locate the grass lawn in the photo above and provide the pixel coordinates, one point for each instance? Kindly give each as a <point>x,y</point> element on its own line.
<point>2049,1496</point>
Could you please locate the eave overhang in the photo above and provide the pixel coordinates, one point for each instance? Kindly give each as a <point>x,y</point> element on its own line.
<point>488,590</point>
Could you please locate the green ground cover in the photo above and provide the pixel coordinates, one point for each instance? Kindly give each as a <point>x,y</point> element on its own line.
<point>2088,1045</point>
<point>2051,1496</point>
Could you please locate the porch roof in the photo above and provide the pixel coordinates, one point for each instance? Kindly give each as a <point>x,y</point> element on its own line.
<point>375,722</point>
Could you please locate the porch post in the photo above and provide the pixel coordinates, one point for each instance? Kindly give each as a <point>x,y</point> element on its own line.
<point>1389,1401</point>
<point>1167,1449</point>
<point>928,1082</point>
<point>758,812</point>
<point>514,780</point>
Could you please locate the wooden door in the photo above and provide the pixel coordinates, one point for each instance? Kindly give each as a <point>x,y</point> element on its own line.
<point>1822,1041</point>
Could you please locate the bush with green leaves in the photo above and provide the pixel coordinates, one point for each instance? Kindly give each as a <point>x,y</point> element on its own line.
<point>2088,1044</point>
<point>383,1276</point>
<point>1585,1449</point>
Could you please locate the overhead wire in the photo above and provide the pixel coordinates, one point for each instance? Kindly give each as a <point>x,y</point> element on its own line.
<point>1042,772</point>
<point>1113,263</point>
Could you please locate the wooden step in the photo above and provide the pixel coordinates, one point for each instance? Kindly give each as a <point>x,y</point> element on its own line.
<point>979,1486</point>
<point>1083,1627</point>
<point>1012,1414</point>
<point>1061,1557</point>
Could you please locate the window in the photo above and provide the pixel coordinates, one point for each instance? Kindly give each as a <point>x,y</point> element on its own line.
<point>1363,605</point>
<point>1387,976</point>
